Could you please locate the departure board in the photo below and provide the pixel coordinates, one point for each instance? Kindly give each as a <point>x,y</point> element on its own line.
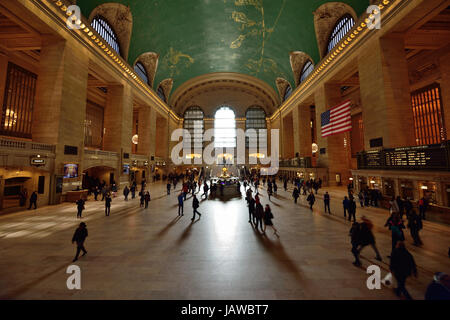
<point>420,157</point>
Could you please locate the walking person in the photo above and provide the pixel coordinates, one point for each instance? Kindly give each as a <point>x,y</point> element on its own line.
<point>415,225</point>
<point>126,192</point>
<point>108,201</point>
<point>80,207</point>
<point>141,198</point>
<point>269,190</point>
<point>345,204</point>
<point>147,199</point>
<point>251,207</point>
<point>168,186</point>
<point>79,237</point>
<point>402,266</point>
<point>205,190</point>
<point>259,214</point>
<point>311,199</point>
<point>96,191</point>
<point>268,216</point>
<point>33,200</point>
<point>195,205</point>
<point>352,210</point>
<point>326,201</point>
<point>355,240</point>
<point>366,237</point>
<point>361,199</point>
<point>133,190</point>
<point>295,194</point>
<point>180,204</point>
<point>423,204</point>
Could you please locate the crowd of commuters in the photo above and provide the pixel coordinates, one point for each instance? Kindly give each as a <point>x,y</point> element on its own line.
<point>401,265</point>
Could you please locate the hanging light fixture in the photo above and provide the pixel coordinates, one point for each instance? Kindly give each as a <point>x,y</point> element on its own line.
<point>135,139</point>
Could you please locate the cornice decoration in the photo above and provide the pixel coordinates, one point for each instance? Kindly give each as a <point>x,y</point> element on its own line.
<point>359,30</point>
<point>95,40</point>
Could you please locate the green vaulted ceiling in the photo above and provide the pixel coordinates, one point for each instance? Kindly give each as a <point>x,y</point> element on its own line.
<point>195,37</point>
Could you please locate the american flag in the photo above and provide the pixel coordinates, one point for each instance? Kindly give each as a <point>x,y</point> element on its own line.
<point>336,120</point>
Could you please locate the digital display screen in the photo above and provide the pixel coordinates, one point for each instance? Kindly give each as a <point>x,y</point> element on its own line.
<point>126,169</point>
<point>70,170</point>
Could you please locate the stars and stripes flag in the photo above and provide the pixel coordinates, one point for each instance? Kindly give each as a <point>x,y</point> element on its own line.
<point>336,120</point>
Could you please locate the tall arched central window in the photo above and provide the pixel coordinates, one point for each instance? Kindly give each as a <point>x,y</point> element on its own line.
<point>343,26</point>
<point>225,128</point>
<point>193,122</point>
<point>106,31</point>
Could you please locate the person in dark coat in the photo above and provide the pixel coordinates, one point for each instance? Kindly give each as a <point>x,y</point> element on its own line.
<point>311,199</point>
<point>133,190</point>
<point>352,210</point>
<point>96,191</point>
<point>285,183</point>
<point>408,206</point>
<point>195,205</point>
<point>268,216</point>
<point>141,198</point>
<point>168,186</point>
<point>295,194</point>
<point>206,189</point>
<point>402,266</point>
<point>33,200</point>
<point>259,214</point>
<point>126,192</point>
<point>415,225</point>
<point>251,207</point>
<point>79,237</point>
<point>147,199</point>
<point>80,207</point>
<point>108,201</point>
<point>180,204</point>
<point>354,234</point>
<point>367,238</point>
<point>423,205</point>
<point>345,204</point>
<point>439,288</point>
<point>326,201</point>
<point>396,226</point>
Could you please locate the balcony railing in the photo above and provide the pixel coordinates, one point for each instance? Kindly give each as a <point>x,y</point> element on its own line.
<point>101,153</point>
<point>296,163</point>
<point>26,146</point>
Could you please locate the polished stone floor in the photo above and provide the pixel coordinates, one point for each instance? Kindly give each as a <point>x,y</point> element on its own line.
<point>151,254</point>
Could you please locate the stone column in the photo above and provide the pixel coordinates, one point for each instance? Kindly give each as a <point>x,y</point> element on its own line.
<point>144,131</point>
<point>304,131</point>
<point>3,74</point>
<point>60,104</point>
<point>385,93</point>
<point>336,154</point>
<point>118,119</point>
<point>445,88</point>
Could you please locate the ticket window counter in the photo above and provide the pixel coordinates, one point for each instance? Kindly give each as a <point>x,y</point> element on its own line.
<point>388,188</point>
<point>407,189</point>
<point>428,191</point>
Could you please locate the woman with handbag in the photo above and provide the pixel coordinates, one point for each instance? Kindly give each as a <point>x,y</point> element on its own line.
<point>268,216</point>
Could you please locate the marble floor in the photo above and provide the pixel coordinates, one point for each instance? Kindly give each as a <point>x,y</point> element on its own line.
<point>152,254</point>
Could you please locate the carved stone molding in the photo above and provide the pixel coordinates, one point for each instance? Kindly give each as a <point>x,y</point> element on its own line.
<point>298,60</point>
<point>325,19</point>
<point>120,18</point>
<point>150,62</point>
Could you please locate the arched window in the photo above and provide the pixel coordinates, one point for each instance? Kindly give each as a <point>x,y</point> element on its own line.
<point>287,93</point>
<point>161,94</point>
<point>225,128</point>
<point>343,26</point>
<point>142,73</point>
<point>106,31</point>
<point>193,122</point>
<point>306,71</point>
<point>255,118</point>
